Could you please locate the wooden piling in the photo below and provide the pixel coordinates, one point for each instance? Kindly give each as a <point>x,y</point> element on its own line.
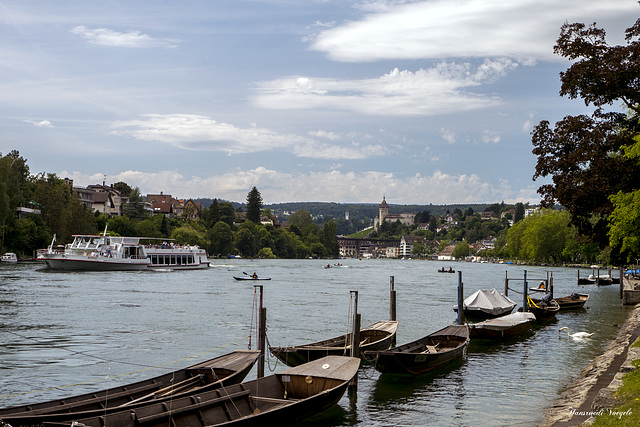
<point>525,306</point>
<point>392,305</point>
<point>460,299</point>
<point>262,334</point>
<point>506,283</point>
<point>355,348</point>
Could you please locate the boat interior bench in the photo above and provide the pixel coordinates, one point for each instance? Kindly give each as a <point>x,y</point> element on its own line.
<point>100,400</point>
<point>189,408</point>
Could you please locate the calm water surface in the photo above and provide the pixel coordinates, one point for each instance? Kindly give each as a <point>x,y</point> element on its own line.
<point>68,333</point>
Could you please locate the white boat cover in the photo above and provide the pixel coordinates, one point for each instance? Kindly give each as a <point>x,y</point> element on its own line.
<point>505,322</point>
<point>489,301</point>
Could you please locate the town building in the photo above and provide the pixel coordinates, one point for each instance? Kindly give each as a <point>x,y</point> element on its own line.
<point>406,219</point>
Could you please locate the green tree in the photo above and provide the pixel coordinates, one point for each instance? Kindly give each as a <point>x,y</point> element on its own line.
<point>266,253</point>
<point>583,154</point>
<point>134,207</point>
<point>124,189</point>
<point>624,224</point>
<point>54,197</point>
<point>519,212</point>
<point>164,226</point>
<point>227,213</point>
<point>187,235</point>
<point>546,236</point>
<point>300,219</point>
<point>220,238</point>
<point>418,248</point>
<point>461,251</point>
<point>254,205</point>
<point>245,242</point>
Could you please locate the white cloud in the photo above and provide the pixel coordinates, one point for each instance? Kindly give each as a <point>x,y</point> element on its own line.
<point>523,30</point>
<point>107,37</point>
<point>202,133</point>
<point>448,135</point>
<point>444,88</point>
<point>490,136</point>
<point>40,124</point>
<point>333,186</point>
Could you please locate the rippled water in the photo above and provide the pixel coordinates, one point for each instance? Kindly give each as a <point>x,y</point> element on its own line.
<point>59,330</point>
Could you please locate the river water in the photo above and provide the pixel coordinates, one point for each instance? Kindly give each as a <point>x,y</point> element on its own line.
<point>66,333</point>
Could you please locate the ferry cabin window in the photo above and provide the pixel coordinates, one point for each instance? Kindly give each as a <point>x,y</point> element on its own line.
<point>171,259</point>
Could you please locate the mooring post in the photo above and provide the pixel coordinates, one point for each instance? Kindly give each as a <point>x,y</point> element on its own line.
<point>621,276</point>
<point>262,333</point>
<point>355,333</point>
<point>506,283</point>
<point>355,348</point>
<point>524,294</point>
<point>460,299</point>
<point>392,308</point>
<point>551,285</point>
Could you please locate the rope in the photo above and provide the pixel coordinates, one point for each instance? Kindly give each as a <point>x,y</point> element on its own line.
<point>147,367</point>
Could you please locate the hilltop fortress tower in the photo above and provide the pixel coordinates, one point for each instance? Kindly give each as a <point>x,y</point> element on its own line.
<point>406,218</point>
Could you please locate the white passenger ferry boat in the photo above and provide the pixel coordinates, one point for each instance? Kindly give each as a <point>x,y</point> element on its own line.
<point>111,253</point>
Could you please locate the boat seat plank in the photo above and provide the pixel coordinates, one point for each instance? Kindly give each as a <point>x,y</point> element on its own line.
<point>188,408</point>
<point>272,399</point>
<point>68,406</point>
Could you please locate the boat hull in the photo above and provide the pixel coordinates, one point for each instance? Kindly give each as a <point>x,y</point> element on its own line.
<point>421,356</point>
<point>504,327</point>
<point>571,303</point>
<point>290,395</point>
<point>378,336</point>
<point>82,263</point>
<point>222,371</point>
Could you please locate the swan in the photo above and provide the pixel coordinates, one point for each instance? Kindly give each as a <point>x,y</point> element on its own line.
<point>576,334</point>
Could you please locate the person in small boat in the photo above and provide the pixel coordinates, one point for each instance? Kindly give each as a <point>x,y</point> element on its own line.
<point>254,275</point>
<point>541,285</point>
<point>442,269</point>
<point>450,269</point>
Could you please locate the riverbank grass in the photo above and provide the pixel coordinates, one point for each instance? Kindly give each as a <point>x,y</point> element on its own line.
<point>629,397</point>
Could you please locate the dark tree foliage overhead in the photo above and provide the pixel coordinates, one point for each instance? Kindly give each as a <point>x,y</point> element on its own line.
<point>583,154</point>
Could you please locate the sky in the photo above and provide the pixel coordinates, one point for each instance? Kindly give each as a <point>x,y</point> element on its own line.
<point>307,100</point>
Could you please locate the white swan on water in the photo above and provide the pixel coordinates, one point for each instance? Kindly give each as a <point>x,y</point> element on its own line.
<point>576,334</point>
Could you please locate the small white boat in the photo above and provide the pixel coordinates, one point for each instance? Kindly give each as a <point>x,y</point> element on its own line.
<point>9,257</point>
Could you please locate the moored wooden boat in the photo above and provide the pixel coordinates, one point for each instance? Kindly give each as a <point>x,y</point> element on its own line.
<point>423,355</point>
<point>228,369</point>
<point>289,395</point>
<point>573,301</point>
<point>502,327</point>
<point>377,336</point>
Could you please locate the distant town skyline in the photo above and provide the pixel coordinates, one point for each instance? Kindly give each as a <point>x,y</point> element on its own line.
<point>324,100</point>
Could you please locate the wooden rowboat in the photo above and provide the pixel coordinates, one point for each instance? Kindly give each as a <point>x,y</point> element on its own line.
<point>502,327</point>
<point>572,301</point>
<point>377,336</point>
<point>423,355</point>
<point>231,368</point>
<point>289,396</point>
